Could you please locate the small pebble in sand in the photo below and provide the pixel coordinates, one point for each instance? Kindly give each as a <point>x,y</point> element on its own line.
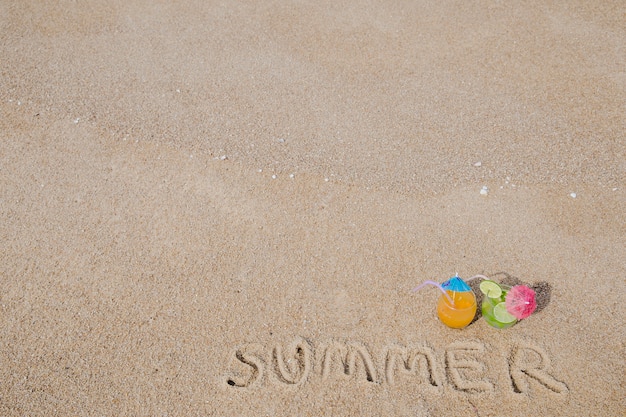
<point>274,176</point>
<point>478,164</point>
<point>573,195</point>
<point>259,170</point>
<point>292,176</point>
<point>484,190</point>
<point>76,120</point>
<point>223,158</point>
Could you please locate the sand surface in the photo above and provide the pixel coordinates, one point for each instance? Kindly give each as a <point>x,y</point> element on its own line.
<point>220,208</point>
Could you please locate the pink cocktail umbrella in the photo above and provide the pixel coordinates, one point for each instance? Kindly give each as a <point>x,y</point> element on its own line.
<point>520,301</point>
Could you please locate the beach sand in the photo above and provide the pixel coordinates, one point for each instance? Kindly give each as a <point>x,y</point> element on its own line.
<point>221,208</point>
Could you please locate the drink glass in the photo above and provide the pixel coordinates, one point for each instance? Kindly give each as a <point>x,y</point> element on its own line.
<point>489,304</point>
<point>459,314</point>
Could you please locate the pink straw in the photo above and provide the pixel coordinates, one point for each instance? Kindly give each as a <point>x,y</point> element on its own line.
<point>436,284</point>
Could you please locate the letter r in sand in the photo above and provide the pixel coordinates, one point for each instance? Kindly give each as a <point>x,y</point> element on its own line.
<point>532,363</point>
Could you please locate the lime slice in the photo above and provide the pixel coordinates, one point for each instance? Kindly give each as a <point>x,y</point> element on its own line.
<point>503,316</point>
<point>490,288</point>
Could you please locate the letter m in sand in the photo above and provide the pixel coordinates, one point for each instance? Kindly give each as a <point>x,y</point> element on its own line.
<point>351,359</point>
<point>418,361</point>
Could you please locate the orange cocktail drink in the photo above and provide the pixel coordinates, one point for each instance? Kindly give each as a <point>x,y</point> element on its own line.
<point>457,304</point>
<point>461,312</point>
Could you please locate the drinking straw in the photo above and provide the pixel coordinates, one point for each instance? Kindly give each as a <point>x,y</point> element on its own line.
<point>436,284</point>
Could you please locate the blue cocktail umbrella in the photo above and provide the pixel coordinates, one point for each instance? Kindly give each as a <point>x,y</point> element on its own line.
<point>456,284</point>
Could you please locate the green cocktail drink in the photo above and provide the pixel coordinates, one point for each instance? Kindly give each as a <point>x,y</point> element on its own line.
<point>494,307</point>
